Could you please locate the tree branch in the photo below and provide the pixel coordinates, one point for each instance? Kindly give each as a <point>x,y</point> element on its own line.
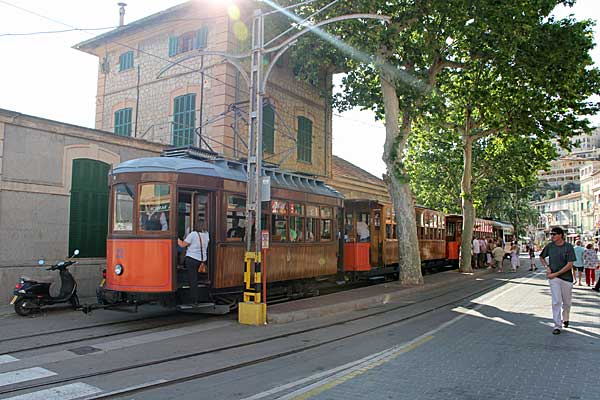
<point>484,133</point>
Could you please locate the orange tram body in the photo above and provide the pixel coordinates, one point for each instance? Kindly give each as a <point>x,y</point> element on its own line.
<point>316,237</point>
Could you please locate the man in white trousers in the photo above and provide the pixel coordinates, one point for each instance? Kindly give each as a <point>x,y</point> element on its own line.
<point>560,276</point>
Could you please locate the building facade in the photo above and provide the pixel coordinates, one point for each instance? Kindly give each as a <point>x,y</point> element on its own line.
<point>163,79</point>
<point>560,211</point>
<point>565,170</point>
<point>584,146</point>
<point>590,200</point>
<point>54,195</point>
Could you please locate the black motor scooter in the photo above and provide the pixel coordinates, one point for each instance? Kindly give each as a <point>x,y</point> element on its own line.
<point>30,295</point>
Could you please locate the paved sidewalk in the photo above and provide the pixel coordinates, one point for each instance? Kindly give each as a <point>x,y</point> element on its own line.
<point>362,298</point>
<point>502,348</point>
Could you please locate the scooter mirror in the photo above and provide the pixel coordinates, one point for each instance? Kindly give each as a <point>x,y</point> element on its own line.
<point>41,262</point>
<point>76,252</point>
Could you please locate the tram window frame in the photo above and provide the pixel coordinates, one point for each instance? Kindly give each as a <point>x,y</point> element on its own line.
<point>132,192</point>
<point>296,221</point>
<point>312,221</point>
<point>235,210</point>
<point>326,218</point>
<point>140,226</point>
<point>279,220</point>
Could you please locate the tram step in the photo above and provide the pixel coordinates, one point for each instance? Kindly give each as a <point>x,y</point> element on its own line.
<point>205,308</point>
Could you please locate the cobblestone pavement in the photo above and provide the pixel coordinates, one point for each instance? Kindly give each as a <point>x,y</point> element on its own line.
<point>500,348</point>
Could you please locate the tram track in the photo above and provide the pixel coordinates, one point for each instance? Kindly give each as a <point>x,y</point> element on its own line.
<point>166,383</point>
<point>178,320</point>
<point>124,332</point>
<point>89,338</point>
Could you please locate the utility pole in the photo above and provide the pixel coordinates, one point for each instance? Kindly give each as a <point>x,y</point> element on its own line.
<point>253,310</point>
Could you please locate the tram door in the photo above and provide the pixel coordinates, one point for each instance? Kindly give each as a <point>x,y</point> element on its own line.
<point>193,207</point>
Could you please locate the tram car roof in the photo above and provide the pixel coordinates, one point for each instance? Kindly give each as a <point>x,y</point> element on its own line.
<point>225,169</point>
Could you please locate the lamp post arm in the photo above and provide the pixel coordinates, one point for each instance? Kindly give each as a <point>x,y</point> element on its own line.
<point>230,58</point>
<point>310,28</point>
<point>285,45</point>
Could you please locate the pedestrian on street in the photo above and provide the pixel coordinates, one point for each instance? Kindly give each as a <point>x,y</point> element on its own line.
<point>531,251</point>
<point>498,254</point>
<point>476,251</point>
<point>560,274</point>
<point>514,257</point>
<point>590,263</point>
<point>578,264</point>
<point>482,252</point>
<point>490,247</point>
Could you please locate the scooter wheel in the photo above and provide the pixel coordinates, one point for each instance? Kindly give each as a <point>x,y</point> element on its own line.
<point>74,300</point>
<point>22,310</point>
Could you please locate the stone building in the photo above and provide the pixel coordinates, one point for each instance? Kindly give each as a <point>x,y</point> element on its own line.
<point>160,79</point>
<point>54,195</point>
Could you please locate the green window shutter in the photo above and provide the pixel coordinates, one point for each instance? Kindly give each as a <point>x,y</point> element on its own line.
<point>173,44</point>
<point>268,128</point>
<point>304,139</point>
<point>184,120</point>
<point>123,122</point>
<point>201,38</point>
<point>126,61</point>
<point>88,220</point>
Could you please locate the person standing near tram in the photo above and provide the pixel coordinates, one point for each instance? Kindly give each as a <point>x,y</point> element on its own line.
<point>559,271</point>
<point>195,257</point>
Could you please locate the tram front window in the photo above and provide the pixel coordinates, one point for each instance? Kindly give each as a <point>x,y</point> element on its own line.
<point>123,207</point>
<point>155,205</point>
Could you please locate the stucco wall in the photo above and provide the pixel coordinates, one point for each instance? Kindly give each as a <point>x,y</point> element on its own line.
<point>36,157</point>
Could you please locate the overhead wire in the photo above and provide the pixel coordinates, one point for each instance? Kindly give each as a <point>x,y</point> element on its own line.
<point>52,32</point>
<point>117,42</point>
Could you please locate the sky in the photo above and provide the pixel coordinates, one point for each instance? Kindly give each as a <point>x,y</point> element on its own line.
<point>42,75</point>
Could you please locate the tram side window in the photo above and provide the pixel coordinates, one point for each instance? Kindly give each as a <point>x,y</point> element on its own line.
<point>123,207</point>
<point>279,221</point>
<point>155,205</point>
<point>312,222</point>
<point>296,222</point>
<point>236,218</point>
<point>350,234</point>
<point>326,223</point>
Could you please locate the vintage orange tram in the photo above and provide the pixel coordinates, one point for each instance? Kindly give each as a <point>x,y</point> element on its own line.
<point>156,200</point>
<point>316,236</point>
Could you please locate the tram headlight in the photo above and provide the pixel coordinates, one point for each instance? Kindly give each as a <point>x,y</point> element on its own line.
<point>118,269</point>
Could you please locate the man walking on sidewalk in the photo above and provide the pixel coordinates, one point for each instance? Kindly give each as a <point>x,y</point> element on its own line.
<point>560,274</point>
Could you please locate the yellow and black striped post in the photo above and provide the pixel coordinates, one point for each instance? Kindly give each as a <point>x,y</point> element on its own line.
<point>252,311</point>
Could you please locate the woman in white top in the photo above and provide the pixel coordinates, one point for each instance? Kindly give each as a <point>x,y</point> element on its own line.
<point>196,243</point>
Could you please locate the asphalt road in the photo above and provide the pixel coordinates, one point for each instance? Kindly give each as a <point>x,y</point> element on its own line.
<point>486,338</point>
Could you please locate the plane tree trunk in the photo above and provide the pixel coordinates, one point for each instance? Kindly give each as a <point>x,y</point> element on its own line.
<point>398,185</point>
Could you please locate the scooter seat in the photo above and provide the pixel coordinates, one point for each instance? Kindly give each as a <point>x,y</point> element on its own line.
<point>46,281</point>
